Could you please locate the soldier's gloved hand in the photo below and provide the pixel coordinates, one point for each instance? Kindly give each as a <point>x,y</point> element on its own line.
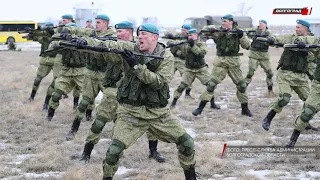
<point>65,35</point>
<point>50,31</point>
<point>301,44</point>
<point>80,42</point>
<point>130,57</point>
<point>191,42</point>
<point>212,30</point>
<point>170,36</point>
<point>240,33</point>
<point>271,41</point>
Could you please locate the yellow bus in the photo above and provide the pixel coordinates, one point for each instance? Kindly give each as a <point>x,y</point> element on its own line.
<point>9,30</point>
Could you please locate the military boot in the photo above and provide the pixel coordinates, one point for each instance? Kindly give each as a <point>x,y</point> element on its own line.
<point>153,153</point>
<point>174,102</point>
<point>187,95</point>
<point>75,102</point>
<point>32,95</point>
<point>293,139</point>
<point>88,114</point>
<point>107,178</point>
<point>267,120</point>
<point>191,174</point>
<point>198,111</point>
<point>46,103</point>
<point>73,130</point>
<point>309,127</point>
<point>213,105</point>
<point>245,110</point>
<point>87,152</point>
<point>50,113</point>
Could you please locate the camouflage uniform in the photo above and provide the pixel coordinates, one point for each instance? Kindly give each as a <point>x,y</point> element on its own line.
<point>106,112</point>
<point>72,72</point>
<point>93,77</point>
<point>259,55</point>
<point>291,76</point>
<point>46,64</point>
<point>136,115</point>
<point>179,60</point>
<point>227,62</point>
<point>196,67</point>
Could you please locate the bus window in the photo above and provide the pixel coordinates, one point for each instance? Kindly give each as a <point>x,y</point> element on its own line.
<point>9,31</point>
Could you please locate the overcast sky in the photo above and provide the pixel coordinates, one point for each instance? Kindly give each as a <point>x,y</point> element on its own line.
<point>169,13</point>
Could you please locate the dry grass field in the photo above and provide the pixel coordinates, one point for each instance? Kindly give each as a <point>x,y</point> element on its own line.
<point>33,148</point>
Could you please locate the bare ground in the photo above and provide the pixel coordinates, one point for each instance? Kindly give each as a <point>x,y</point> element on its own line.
<point>33,148</point>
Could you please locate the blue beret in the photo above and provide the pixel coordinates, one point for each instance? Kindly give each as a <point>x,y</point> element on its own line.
<point>89,20</point>
<point>303,22</point>
<point>71,24</point>
<point>191,31</point>
<point>227,16</point>
<point>67,16</point>
<point>103,17</point>
<point>263,21</point>
<point>48,24</point>
<point>187,26</point>
<point>124,25</point>
<point>149,28</point>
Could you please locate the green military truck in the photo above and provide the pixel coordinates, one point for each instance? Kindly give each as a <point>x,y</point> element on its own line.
<point>244,22</point>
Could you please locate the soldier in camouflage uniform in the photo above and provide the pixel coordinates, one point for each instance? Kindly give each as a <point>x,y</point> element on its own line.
<point>106,110</point>
<point>143,95</point>
<point>310,107</point>
<point>179,60</point>
<point>46,62</point>
<point>227,62</point>
<point>89,24</point>
<point>292,69</point>
<point>194,52</point>
<point>93,77</point>
<point>73,65</point>
<point>66,19</point>
<point>259,55</point>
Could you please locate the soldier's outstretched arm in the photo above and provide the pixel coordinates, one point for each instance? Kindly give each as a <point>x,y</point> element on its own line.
<point>199,49</point>
<point>164,73</point>
<point>112,57</point>
<point>245,41</point>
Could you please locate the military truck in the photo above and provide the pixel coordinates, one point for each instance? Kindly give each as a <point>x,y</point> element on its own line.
<point>198,22</point>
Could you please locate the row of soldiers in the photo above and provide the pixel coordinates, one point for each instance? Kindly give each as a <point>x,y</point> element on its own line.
<point>134,80</point>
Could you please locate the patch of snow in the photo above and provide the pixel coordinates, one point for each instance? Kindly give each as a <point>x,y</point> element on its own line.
<point>3,146</point>
<point>191,132</point>
<point>123,170</point>
<point>260,174</point>
<point>18,159</point>
<point>237,143</point>
<point>98,98</point>
<point>47,174</point>
<point>247,131</point>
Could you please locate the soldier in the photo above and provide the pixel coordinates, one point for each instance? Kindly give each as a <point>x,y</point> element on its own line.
<point>292,69</point>
<point>89,24</point>
<point>46,62</point>
<point>259,55</point>
<point>143,95</point>
<point>68,19</point>
<point>179,60</point>
<point>227,62</point>
<point>72,73</point>
<point>194,52</point>
<point>310,107</point>
<point>93,78</point>
<point>106,110</point>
